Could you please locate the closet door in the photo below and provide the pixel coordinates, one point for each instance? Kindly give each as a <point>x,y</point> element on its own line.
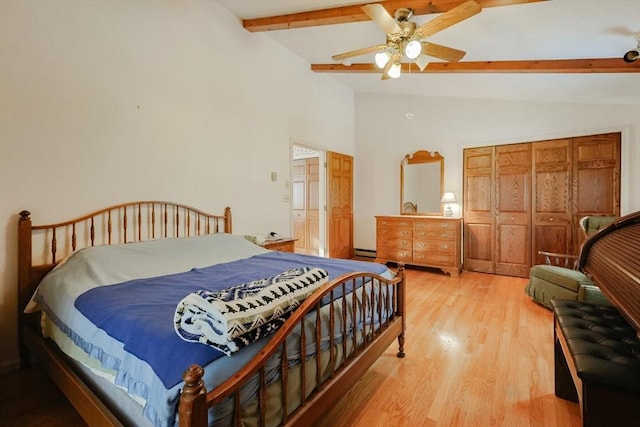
<point>479,211</point>
<point>513,210</point>
<point>596,177</point>
<point>552,195</point>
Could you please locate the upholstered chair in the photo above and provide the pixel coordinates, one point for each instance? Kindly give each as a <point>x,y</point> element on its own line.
<point>559,278</point>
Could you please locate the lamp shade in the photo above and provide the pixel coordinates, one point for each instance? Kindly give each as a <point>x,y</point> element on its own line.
<point>381,58</point>
<point>448,198</point>
<point>394,71</point>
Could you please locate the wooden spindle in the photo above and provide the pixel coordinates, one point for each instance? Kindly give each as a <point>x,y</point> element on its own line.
<point>354,319</point>
<point>73,237</point>
<point>166,218</point>
<point>153,220</point>
<point>262,399</point>
<point>54,246</point>
<point>188,223</point>
<point>139,222</point>
<point>284,375</point>
<point>124,224</point>
<point>109,226</point>
<point>177,223</point>
<point>345,314</point>
<point>303,362</point>
<point>318,349</point>
<point>92,232</point>
<point>237,413</point>
<point>332,335</point>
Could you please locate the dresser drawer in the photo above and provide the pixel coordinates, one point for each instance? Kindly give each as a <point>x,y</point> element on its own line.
<point>444,234</point>
<point>394,233</point>
<point>434,246</point>
<point>395,243</point>
<point>394,223</point>
<point>435,224</point>
<point>434,258</point>
<point>393,254</point>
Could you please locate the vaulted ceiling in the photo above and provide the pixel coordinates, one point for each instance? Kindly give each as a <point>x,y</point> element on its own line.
<point>546,50</point>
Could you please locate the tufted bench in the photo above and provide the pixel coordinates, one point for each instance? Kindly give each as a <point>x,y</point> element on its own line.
<point>597,363</point>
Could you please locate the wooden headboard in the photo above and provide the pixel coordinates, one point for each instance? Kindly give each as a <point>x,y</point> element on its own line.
<point>41,247</point>
<point>611,258</point>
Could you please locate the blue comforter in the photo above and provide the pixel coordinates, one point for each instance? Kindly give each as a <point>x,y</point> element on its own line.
<point>150,303</point>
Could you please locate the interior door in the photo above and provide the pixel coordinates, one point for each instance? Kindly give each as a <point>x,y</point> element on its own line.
<point>340,205</point>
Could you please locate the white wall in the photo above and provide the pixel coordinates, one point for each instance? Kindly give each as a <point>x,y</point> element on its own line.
<point>114,101</point>
<point>448,125</point>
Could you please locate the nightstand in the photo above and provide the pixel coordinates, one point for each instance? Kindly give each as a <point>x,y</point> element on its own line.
<point>285,244</point>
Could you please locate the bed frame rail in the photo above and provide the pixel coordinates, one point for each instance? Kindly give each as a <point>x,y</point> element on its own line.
<point>331,374</point>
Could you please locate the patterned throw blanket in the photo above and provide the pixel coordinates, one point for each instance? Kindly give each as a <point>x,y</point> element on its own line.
<point>233,318</point>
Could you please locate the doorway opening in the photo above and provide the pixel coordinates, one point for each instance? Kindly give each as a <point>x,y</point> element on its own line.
<point>308,190</point>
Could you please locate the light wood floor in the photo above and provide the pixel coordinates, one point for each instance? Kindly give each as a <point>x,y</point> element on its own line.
<point>478,353</point>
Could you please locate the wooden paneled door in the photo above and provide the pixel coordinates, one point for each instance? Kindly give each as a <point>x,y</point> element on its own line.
<point>479,211</point>
<point>513,215</point>
<point>553,221</point>
<point>596,178</point>
<point>340,205</point>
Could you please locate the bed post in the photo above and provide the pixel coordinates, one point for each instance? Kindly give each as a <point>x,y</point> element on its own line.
<point>227,220</point>
<point>402,304</point>
<point>24,279</point>
<point>192,409</point>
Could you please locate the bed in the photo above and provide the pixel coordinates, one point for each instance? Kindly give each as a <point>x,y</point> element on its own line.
<point>103,300</point>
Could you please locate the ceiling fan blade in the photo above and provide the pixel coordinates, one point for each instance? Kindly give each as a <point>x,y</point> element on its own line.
<point>422,61</point>
<point>385,71</point>
<point>449,18</point>
<point>380,16</point>
<point>358,52</point>
<point>443,52</point>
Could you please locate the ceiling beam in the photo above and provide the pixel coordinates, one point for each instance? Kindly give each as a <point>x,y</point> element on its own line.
<point>599,65</point>
<point>354,13</point>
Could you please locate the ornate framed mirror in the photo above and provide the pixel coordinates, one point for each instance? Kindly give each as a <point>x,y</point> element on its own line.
<point>421,183</point>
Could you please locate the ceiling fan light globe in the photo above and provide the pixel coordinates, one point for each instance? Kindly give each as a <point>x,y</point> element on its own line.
<point>394,71</point>
<point>413,49</point>
<point>381,59</point>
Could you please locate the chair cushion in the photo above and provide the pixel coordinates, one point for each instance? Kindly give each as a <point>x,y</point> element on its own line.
<point>564,277</point>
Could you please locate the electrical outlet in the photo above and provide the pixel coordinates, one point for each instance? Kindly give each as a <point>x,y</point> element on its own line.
<point>285,197</point>
<point>274,176</point>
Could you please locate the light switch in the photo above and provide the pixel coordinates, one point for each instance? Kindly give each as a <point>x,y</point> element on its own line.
<point>274,176</point>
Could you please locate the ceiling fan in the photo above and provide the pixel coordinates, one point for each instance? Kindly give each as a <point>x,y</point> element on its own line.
<point>406,39</point>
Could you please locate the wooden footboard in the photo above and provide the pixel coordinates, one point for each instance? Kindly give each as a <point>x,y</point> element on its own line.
<point>331,376</point>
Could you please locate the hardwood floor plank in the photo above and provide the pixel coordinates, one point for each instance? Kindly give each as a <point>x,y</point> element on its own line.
<point>479,353</point>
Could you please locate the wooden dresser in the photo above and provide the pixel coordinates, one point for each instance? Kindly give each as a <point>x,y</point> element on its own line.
<point>420,240</point>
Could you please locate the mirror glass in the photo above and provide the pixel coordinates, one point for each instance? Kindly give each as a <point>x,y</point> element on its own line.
<point>421,183</point>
